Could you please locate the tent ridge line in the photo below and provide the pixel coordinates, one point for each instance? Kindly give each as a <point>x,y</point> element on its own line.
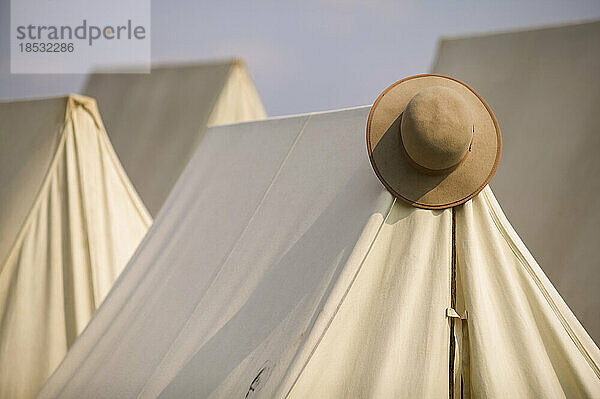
<point>542,288</point>
<point>226,258</point>
<point>339,305</point>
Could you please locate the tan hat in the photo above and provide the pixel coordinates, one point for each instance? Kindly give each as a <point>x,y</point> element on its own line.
<point>433,141</point>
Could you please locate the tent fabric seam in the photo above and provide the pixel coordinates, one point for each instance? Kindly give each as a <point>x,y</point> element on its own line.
<point>339,305</point>
<point>542,288</point>
<point>234,246</point>
<point>84,217</point>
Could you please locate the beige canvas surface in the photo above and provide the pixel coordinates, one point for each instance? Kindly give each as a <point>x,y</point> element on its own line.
<point>391,325</point>
<point>70,222</point>
<point>524,342</point>
<point>155,121</point>
<point>543,86</point>
<point>293,273</point>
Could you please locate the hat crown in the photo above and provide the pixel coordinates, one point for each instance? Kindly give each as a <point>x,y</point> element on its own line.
<point>436,128</point>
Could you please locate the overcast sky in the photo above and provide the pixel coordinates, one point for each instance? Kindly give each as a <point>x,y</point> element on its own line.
<point>312,55</point>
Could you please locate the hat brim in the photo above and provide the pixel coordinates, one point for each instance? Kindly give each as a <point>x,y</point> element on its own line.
<point>394,169</point>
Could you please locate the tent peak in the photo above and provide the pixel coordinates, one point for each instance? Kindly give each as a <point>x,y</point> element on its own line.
<point>68,101</point>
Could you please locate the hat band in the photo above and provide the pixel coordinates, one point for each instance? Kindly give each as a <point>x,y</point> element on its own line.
<point>426,170</point>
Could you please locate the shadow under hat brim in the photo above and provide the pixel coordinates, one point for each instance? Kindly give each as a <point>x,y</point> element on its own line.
<point>394,169</point>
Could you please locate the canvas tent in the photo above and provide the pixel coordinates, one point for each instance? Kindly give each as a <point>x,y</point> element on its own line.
<point>156,120</point>
<point>312,281</point>
<point>69,222</point>
<point>543,86</point>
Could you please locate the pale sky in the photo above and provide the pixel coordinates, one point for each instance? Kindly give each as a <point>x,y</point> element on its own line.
<point>312,55</point>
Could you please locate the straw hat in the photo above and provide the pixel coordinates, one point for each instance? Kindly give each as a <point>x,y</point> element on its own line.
<point>433,142</point>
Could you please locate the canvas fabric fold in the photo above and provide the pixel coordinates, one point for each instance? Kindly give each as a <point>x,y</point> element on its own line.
<point>76,235</point>
<point>524,341</point>
<point>389,338</point>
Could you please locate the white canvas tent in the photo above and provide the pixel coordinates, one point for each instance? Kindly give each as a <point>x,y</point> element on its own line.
<point>289,271</point>
<point>156,120</point>
<point>543,86</point>
<point>69,222</point>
